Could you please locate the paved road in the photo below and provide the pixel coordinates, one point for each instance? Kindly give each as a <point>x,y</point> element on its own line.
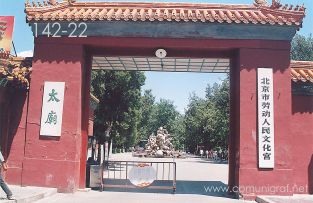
<point>196,180</point>
<point>126,197</point>
<point>292,199</point>
<point>27,194</point>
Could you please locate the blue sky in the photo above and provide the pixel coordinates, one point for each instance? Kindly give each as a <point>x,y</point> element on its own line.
<point>173,86</point>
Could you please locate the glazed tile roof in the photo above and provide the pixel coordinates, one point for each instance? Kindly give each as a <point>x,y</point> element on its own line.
<point>257,13</point>
<point>15,71</point>
<point>302,71</point>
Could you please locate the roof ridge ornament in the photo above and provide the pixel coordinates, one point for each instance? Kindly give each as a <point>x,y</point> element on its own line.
<point>260,2</point>
<point>52,2</point>
<point>276,4</point>
<point>39,3</point>
<point>70,1</point>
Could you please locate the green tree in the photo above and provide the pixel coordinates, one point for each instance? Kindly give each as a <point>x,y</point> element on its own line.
<point>118,112</point>
<point>199,123</point>
<point>163,115</point>
<point>207,120</point>
<point>302,48</point>
<point>160,114</point>
<point>179,133</point>
<point>221,104</point>
<point>147,107</point>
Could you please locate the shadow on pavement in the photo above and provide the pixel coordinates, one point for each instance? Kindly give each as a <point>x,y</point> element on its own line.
<point>212,161</point>
<point>209,161</point>
<point>207,188</point>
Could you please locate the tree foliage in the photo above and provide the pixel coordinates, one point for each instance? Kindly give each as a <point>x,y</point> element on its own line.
<point>117,115</point>
<point>207,120</point>
<point>128,116</point>
<point>159,114</point>
<point>147,108</point>
<point>164,114</point>
<point>179,133</point>
<point>302,48</point>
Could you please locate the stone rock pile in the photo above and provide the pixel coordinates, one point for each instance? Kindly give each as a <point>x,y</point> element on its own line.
<point>159,145</point>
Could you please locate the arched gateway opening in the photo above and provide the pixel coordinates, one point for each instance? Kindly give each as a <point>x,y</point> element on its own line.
<point>73,37</point>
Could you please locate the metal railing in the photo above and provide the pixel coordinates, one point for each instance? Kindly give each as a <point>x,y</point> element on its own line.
<point>115,174</point>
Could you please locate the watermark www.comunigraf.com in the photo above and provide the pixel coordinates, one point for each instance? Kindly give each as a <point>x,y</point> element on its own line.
<point>269,189</point>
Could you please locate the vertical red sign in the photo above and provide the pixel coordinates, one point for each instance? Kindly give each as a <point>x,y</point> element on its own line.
<point>6,32</point>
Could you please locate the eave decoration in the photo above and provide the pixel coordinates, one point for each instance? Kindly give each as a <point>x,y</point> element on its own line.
<point>302,77</point>
<point>15,72</point>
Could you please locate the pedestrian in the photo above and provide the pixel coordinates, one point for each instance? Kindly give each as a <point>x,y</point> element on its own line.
<point>4,186</point>
<point>211,154</point>
<point>207,154</point>
<point>201,153</point>
<point>214,155</point>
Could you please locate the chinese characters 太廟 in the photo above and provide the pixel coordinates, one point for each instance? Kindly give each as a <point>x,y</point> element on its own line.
<point>52,109</point>
<point>52,96</point>
<point>52,116</point>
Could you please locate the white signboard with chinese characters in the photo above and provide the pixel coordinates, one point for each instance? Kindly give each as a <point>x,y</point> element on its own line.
<point>265,118</point>
<point>52,109</point>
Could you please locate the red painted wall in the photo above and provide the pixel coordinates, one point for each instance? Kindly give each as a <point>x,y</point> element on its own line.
<point>14,102</point>
<point>50,161</point>
<point>16,136</point>
<point>233,138</point>
<point>262,181</point>
<point>302,144</point>
<point>85,91</point>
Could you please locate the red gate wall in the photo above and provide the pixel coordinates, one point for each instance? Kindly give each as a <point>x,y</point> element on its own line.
<point>302,149</point>
<point>61,162</point>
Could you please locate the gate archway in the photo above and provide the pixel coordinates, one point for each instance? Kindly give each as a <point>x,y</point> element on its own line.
<point>70,35</point>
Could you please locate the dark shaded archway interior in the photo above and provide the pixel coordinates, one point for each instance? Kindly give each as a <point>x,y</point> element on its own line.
<point>11,113</point>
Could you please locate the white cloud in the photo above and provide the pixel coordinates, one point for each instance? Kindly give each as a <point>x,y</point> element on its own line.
<point>28,53</point>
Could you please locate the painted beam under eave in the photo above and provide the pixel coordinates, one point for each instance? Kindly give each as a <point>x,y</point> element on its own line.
<point>164,30</point>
